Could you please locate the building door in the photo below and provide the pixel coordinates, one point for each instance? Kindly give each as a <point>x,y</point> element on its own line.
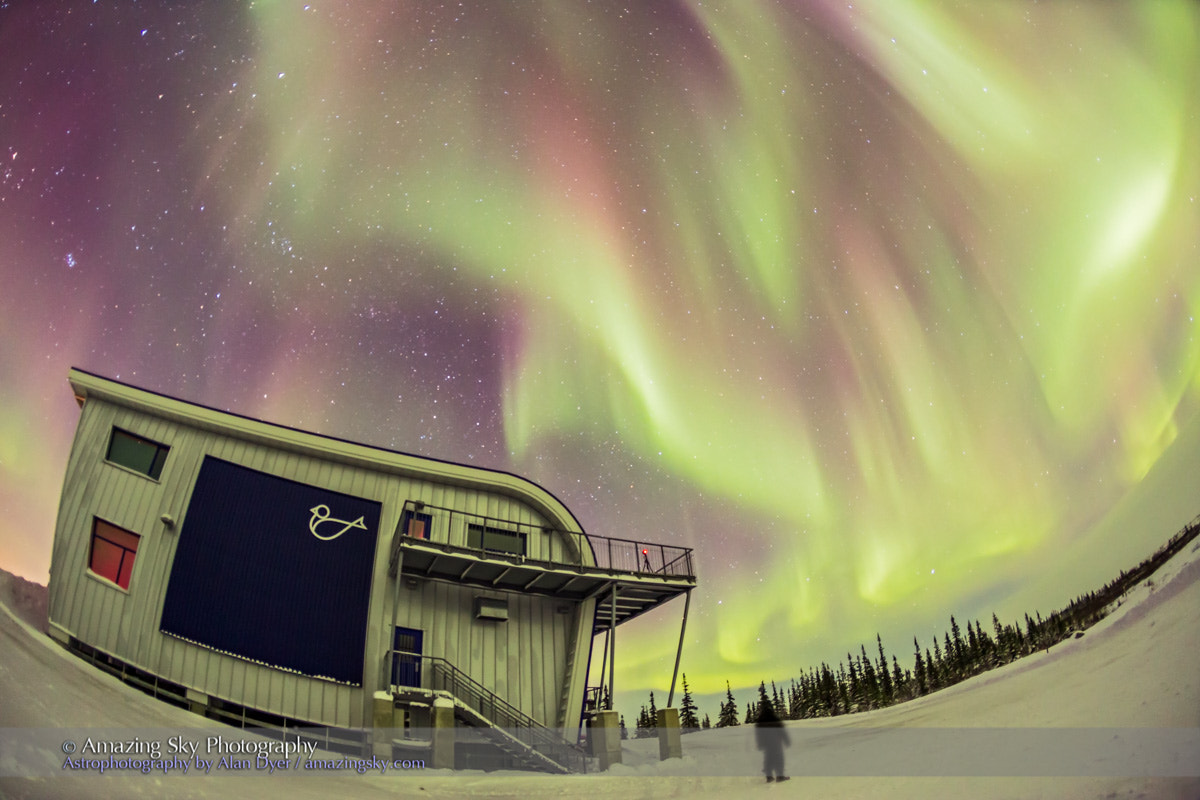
<point>406,669</point>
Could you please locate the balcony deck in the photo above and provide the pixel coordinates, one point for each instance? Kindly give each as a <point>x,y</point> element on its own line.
<point>450,545</point>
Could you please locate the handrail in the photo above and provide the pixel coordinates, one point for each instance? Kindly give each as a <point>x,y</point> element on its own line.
<point>457,528</point>
<point>687,555</point>
<point>595,698</point>
<point>448,678</point>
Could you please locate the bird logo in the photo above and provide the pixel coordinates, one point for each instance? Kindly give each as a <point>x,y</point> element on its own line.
<point>320,515</point>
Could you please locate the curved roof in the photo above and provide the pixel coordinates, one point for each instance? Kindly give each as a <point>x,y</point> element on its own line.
<point>89,385</point>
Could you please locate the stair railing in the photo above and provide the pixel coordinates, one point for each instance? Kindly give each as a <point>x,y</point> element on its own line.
<point>445,677</point>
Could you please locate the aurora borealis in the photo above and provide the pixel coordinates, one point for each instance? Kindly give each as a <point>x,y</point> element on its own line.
<point>882,307</point>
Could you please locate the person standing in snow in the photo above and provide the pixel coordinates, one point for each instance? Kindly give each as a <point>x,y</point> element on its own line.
<point>771,737</point>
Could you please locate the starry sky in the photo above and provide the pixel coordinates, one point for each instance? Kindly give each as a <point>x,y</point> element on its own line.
<point>888,309</point>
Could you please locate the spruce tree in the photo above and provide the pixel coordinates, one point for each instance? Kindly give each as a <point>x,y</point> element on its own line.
<point>706,724</point>
<point>842,702</point>
<point>816,692</point>
<point>870,679</point>
<point>919,670</point>
<point>729,710</point>
<point>855,689</point>
<point>824,692</point>
<point>842,705</point>
<point>643,726</point>
<point>987,648</point>
<point>960,658</point>
<point>886,686</point>
<point>687,710</point>
<point>624,730</point>
<point>795,702</point>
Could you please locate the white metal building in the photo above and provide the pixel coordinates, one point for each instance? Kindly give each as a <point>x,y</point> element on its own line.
<point>266,575</point>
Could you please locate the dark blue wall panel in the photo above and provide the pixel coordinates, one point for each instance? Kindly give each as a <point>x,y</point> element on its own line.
<point>260,574</point>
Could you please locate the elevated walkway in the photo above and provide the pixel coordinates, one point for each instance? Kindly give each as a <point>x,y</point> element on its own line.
<point>616,579</point>
<point>437,543</point>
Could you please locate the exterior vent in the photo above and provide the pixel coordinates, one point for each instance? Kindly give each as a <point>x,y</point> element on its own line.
<point>491,608</point>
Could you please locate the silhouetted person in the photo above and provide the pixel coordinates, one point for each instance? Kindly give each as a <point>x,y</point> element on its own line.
<point>771,737</point>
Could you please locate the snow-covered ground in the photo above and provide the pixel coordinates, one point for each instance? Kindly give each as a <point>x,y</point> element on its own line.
<point>1114,714</point>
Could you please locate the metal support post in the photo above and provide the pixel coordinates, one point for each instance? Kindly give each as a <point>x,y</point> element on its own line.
<point>390,639</point>
<point>612,650</point>
<point>603,667</point>
<point>687,601</point>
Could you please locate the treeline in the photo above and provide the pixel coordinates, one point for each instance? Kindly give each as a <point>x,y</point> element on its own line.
<point>864,681</point>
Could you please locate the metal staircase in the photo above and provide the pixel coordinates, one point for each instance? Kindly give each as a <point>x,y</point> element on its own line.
<point>524,739</point>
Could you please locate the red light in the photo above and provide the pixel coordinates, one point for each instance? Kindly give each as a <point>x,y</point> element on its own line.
<point>644,552</point>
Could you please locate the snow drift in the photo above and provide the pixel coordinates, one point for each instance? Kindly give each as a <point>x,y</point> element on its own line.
<point>1112,714</point>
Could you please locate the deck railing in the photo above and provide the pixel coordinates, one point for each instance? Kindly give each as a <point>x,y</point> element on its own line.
<point>490,536</point>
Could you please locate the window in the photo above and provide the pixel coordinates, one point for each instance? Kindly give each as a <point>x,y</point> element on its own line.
<point>113,550</point>
<point>138,454</point>
<point>416,524</point>
<point>496,540</point>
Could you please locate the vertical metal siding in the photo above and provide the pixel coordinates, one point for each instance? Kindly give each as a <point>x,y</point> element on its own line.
<point>126,624</point>
<point>581,624</point>
<point>179,477</point>
<point>521,660</point>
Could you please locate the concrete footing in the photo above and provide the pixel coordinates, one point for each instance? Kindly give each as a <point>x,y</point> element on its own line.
<point>197,701</point>
<point>604,734</point>
<point>416,727</point>
<point>383,719</point>
<point>442,749</point>
<point>669,744</point>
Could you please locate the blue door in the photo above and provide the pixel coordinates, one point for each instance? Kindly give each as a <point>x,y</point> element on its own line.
<point>406,669</point>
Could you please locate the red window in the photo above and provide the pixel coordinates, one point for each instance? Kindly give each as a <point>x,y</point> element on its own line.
<point>113,551</point>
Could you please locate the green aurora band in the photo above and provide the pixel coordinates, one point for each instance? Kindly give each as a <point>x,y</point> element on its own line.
<point>901,278</point>
<point>882,303</point>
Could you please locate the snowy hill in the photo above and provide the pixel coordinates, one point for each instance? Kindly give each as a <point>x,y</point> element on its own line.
<point>28,600</point>
<point>1112,714</point>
